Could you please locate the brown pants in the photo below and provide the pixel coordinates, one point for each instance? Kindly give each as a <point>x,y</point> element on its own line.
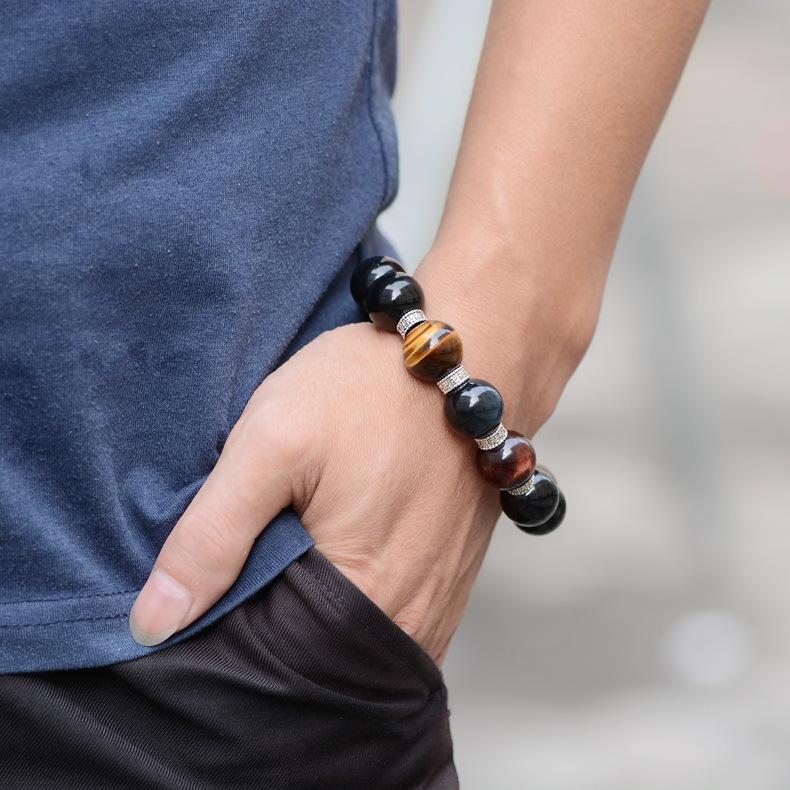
<point>306,685</point>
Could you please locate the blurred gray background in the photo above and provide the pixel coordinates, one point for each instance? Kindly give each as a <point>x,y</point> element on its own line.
<point>646,644</point>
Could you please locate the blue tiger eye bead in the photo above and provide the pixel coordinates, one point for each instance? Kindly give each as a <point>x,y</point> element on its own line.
<point>474,409</point>
<point>533,509</point>
<point>368,272</point>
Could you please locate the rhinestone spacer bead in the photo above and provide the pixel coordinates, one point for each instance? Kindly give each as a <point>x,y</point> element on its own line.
<point>524,488</point>
<point>409,320</point>
<point>493,439</point>
<point>453,379</point>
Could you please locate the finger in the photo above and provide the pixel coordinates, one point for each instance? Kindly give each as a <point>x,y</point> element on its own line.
<point>203,555</point>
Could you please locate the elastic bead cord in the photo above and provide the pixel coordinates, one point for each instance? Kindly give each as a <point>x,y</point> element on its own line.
<point>432,351</point>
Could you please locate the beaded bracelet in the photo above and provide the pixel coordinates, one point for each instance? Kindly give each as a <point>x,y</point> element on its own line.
<point>432,351</point>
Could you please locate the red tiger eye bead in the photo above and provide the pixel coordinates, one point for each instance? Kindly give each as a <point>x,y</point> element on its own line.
<point>510,464</point>
<point>431,349</point>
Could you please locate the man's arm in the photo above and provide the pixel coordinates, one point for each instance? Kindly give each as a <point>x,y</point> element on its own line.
<point>567,101</point>
<point>568,98</point>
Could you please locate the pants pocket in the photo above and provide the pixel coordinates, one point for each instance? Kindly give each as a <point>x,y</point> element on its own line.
<point>363,613</point>
<point>326,628</point>
<point>307,685</point>
<point>368,704</point>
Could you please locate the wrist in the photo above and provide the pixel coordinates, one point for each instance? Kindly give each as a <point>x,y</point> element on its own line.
<point>433,352</point>
<point>523,332</point>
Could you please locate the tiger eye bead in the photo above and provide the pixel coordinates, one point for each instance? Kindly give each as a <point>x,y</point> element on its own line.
<point>510,464</point>
<point>536,506</point>
<point>368,272</point>
<point>431,349</point>
<point>474,409</point>
<point>390,297</point>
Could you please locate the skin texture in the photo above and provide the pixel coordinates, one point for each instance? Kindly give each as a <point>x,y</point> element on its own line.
<point>567,100</point>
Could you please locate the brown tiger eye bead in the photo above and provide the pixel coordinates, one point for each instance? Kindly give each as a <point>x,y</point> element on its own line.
<point>431,349</point>
<point>510,464</point>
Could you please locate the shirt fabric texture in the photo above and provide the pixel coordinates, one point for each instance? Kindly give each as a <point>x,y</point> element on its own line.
<point>184,188</point>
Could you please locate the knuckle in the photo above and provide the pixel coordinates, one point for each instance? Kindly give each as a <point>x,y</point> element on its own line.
<point>271,424</point>
<point>291,452</point>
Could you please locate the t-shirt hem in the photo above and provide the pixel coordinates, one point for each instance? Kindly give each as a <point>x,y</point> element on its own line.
<point>92,631</point>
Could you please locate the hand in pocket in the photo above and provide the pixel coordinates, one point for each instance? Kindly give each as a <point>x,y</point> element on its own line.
<point>361,450</point>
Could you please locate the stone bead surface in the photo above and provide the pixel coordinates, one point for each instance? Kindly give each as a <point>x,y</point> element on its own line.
<point>368,272</point>
<point>552,523</point>
<point>510,464</point>
<point>390,297</point>
<point>475,408</point>
<point>535,507</point>
<point>431,349</point>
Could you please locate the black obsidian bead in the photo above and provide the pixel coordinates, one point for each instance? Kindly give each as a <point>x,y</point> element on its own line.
<point>367,272</point>
<point>474,409</point>
<point>390,297</point>
<point>552,523</point>
<point>534,508</point>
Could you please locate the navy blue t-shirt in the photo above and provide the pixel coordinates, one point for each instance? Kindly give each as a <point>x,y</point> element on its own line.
<point>184,186</point>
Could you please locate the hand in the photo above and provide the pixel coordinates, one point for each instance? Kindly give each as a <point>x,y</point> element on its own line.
<point>361,450</point>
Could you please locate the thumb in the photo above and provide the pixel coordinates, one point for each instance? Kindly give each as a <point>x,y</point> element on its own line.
<point>203,555</point>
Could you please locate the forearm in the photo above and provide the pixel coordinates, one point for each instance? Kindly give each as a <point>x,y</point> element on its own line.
<point>567,100</point>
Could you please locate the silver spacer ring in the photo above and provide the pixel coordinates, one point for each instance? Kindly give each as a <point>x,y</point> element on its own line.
<point>493,439</point>
<point>524,488</point>
<point>409,320</point>
<point>452,379</point>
